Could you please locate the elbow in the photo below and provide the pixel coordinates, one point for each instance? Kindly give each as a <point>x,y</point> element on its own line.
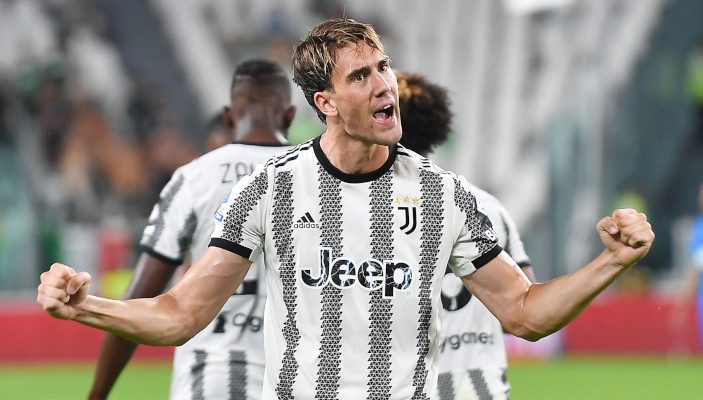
<point>172,328</point>
<point>183,331</point>
<point>525,330</point>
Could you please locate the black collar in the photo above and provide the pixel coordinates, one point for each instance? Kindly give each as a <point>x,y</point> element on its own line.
<point>353,178</point>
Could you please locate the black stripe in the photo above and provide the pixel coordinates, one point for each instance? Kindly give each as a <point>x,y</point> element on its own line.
<point>486,257</point>
<point>286,161</point>
<point>445,386</point>
<point>304,219</point>
<point>307,214</point>
<point>232,247</point>
<point>174,262</point>
<point>431,228</point>
<point>282,232</point>
<point>292,154</point>
<point>237,375</point>
<point>197,372</point>
<point>163,205</point>
<point>328,372</point>
<point>242,205</point>
<point>185,236</point>
<point>247,288</point>
<point>381,310</point>
<point>479,383</point>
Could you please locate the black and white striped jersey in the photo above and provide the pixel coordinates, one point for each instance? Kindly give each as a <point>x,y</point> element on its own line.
<point>225,360</point>
<point>354,266</point>
<point>472,357</point>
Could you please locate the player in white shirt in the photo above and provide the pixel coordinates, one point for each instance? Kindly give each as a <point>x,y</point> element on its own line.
<point>225,360</point>
<point>354,289</point>
<point>472,356</point>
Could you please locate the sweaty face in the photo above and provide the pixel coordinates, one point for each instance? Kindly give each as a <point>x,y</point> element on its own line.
<point>366,95</point>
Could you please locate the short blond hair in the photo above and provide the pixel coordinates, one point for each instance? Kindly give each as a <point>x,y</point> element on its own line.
<point>315,57</point>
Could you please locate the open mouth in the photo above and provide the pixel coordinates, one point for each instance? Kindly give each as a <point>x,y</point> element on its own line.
<point>384,114</point>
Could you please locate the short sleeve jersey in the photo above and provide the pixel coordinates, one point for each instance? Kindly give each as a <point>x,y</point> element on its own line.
<point>227,356</point>
<point>354,266</point>
<point>472,355</point>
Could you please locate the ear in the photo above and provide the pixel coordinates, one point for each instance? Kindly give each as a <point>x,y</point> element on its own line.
<point>325,104</point>
<point>288,115</point>
<point>227,116</point>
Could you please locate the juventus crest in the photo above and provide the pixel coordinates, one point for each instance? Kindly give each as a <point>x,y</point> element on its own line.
<point>407,205</point>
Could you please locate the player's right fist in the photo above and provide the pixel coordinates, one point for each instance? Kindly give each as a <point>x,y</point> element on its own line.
<point>60,289</point>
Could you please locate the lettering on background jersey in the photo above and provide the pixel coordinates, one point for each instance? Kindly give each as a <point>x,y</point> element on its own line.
<point>454,342</point>
<point>454,294</point>
<point>240,320</point>
<point>370,274</point>
<point>233,172</point>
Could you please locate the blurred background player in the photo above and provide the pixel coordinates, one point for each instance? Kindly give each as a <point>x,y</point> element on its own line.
<point>473,360</point>
<point>225,360</point>
<point>219,133</point>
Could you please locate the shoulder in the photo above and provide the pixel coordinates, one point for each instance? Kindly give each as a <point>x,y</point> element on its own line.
<point>292,156</point>
<point>408,158</point>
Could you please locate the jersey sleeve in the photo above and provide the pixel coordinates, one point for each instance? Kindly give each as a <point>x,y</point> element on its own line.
<point>240,220</point>
<point>476,242</point>
<point>513,243</point>
<point>172,223</point>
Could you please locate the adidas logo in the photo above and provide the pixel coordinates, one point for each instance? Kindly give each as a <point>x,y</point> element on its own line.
<point>306,221</point>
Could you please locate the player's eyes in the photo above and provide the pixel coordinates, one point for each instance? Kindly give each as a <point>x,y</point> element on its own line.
<point>359,78</point>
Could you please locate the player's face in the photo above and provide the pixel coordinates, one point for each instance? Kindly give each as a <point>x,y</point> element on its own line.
<point>366,95</point>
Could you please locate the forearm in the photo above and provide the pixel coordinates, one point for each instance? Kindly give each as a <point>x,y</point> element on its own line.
<point>549,306</point>
<point>157,321</point>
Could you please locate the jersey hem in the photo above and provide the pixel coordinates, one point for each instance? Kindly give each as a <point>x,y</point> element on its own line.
<point>232,247</point>
<point>486,257</point>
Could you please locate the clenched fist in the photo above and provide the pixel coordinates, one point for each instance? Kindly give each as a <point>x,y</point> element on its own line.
<point>627,235</point>
<point>61,288</point>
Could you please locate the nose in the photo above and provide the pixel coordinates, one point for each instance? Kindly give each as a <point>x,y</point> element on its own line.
<point>382,84</point>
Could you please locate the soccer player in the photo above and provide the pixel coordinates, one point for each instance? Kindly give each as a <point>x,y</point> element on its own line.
<point>356,233</point>
<point>225,360</point>
<point>472,357</point>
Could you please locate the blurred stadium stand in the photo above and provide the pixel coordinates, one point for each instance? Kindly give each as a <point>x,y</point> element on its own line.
<point>564,109</point>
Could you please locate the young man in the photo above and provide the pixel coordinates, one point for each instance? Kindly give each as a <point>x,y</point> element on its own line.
<point>225,360</point>
<point>356,234</point>
<point>472,358</point>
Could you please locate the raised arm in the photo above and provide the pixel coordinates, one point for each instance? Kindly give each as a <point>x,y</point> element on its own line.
<point>168,319</point>
<point>150,279</point>
<point>534,310</point>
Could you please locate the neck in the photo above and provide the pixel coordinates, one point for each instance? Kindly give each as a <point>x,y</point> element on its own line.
<point>350,155</point>
<point>258,128</point>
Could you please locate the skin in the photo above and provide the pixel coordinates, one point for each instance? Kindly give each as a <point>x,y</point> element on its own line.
<point>249,122</point>
<point>354,142</point>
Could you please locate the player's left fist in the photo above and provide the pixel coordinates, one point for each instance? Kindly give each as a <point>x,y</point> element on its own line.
<point>627,235</point>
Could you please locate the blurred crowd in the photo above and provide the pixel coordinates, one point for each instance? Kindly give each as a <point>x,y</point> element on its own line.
<point>85,151</point>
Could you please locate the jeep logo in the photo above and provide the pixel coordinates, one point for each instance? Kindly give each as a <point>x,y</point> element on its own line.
<point>370,274</point>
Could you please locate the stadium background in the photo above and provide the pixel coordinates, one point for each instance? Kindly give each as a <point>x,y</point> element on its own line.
<point>564,109</point>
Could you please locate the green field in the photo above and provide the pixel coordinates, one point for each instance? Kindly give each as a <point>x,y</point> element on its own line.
<point>563,379</point>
